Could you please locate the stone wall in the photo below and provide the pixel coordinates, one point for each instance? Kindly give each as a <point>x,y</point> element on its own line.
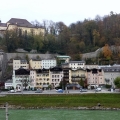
<point>91,54</point>
<point>23,56</point>
<point>3,64</point>
<point>114,49</point>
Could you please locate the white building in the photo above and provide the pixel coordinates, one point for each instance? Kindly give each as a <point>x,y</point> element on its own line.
<point>110,74</point>
<point>33,77</point>
<point>56,76</point>
<point>8,84</point>
<point>17,63</point>
<point>21,79</point>
<point>76,64</point>
<point>49,63</point>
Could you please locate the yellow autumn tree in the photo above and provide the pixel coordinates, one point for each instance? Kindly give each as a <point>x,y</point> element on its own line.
<point>107,52</point>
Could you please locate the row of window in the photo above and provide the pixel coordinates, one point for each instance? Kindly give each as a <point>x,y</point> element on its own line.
<point>94,82</point>
<point>76,67</point>
<point>49,63</point>
<point>45,83</point>
<point>42,83</point>
<point>42,79</point>
<point>94,78</point>
<point>19,66</point>
<point>43,63</point>
<point>21,63</point>
<point>54,76</point>
<point>42,75</point>
<point>77,64</point>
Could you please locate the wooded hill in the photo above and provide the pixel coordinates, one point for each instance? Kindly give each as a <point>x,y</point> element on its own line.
<point>75,39</point>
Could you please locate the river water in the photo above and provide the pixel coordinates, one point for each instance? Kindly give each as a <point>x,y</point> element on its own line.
<point>60,114</point>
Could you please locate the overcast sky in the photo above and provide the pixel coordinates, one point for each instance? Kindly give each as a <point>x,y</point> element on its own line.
<point>67,11</point>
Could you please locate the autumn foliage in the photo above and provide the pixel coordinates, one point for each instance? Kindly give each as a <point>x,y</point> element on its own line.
<point>107,53</point>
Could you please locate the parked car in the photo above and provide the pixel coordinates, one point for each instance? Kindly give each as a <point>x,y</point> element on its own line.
<point>98,89</point>
<point>59,91</point>
<point>18,90</point>
<point>39,91</point>
<point>11,91</point>
<point>83,90</point>
<point>111,89</point>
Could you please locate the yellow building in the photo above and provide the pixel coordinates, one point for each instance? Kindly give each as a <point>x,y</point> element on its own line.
<point>42,78</point>
<point>35,64</point>
<point>77,75</point>
<point>22,25</point>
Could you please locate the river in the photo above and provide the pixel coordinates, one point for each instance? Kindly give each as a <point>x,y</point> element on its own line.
<point>60,114</point>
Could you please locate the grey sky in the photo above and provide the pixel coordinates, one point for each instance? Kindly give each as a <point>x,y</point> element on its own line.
<point>67,11</point>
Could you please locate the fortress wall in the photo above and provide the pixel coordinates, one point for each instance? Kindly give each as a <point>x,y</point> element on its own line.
<point>91,54</point>
<point>23,55</point>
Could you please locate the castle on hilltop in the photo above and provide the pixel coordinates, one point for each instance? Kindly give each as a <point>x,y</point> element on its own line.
<point>22,25</point>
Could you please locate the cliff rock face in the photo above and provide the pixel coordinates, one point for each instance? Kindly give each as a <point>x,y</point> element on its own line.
<point>114,49</point>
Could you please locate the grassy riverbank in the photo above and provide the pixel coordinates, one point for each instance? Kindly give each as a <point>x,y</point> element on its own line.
<point>63,100</point>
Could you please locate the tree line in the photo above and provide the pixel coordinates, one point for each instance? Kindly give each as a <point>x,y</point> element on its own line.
<point>80,37</point>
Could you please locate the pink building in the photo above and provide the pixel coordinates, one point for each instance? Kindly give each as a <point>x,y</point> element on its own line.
<point>95,77</point>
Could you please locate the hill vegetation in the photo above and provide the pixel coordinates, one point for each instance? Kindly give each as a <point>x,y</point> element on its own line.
<point>80,37</point>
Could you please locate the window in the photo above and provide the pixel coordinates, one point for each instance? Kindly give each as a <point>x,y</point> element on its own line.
<point>37,83</point>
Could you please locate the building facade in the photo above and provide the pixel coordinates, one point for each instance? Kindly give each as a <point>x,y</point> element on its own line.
<point>49,63</point>
<point>21,79</point>
<point>42,78</point>
<point>17,63</point>
<point>76,64</point>
<point>56,76</point>
<point>77,75</point>
<point>110,74</point>
<point>35,64</point>
<point>95,77</point>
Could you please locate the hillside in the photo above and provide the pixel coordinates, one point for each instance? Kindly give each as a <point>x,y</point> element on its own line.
<point>78,38</point>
